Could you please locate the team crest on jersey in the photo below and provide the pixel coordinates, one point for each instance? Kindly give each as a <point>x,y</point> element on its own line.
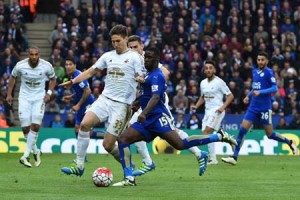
<point>126,61</point>
<point>262,74</point>
<point>110,60</point>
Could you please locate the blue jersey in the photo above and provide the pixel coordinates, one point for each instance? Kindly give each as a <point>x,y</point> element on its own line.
<point>155,83</point>
<point>78,89</point>
<point>158,121</point>
<point>262,79</point>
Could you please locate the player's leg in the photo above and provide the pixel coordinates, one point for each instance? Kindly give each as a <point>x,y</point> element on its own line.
<point>119,115</point>
<point>141,146</point>
<point>173,138</point>
<point>276,136</point>
<point>128,137</point>
<point>211,123</point>
<point>195,150</point>
<point>89,120</point>
<point>240,139</point>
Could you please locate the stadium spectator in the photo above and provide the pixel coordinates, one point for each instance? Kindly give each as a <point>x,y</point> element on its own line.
<point>52,107</point>
<point>295,123</point>
<point>57,122</point>
<point>194,122</point>
<point>282,124</point>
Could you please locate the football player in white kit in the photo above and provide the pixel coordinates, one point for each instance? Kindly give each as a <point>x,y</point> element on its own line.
<point>34,72</point>
<point>213,90</point>
<point>134,42</point>
<point>123,67</point>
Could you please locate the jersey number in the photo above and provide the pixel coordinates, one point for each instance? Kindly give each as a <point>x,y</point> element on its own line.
<point>163,121</point>
<point>118,125</point>
<point>267,116</point>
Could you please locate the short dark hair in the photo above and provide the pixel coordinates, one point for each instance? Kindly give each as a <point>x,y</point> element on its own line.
<point>69,58</point>
<point>135,38</point>
<point>155,51</point>
<point>213,63</point>
<point>119,30</point>
<point>263,53</point>
<point>33,47</point>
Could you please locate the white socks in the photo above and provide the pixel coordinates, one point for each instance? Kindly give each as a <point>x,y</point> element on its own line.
<point>82,145</point>
<point>31,142</point>
<point>195,150</point>
<point>141,147</point>
<point>212,152</point>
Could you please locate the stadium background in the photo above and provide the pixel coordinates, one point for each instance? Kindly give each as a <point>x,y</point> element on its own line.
<point>188,33</point>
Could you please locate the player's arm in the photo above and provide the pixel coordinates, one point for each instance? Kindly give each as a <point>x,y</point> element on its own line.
<point>151,104</point>
<point>81,77</point>
<point>229,99</point>
<point>199,103</point>
<point>52,83</point>
<point>166,72</point>
<point>269,90</point>
<point>85,94</point>
<point>11,84</point>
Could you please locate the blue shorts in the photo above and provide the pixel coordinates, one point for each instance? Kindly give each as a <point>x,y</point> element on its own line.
<point>263,117</point>
<point>155,125</point>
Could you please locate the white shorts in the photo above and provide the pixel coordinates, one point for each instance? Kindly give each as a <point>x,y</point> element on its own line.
<point>31,112</point>
<point>212,119</point>
<point>115,113</point>
<point>135,116</point>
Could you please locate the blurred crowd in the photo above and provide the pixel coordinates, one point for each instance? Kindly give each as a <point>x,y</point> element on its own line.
<point>188,32</point>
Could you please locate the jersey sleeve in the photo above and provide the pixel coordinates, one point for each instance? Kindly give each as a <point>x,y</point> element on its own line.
<point>50,72</point>
<point>158,84</point>
<point>101,62</point>
<point>224,88</point>
<point>15,71</point>
<point>271,78</point>
<point>139,65</point>
<point>201,89</point>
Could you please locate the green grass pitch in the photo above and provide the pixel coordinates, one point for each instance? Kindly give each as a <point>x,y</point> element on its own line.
<point>176,177</point>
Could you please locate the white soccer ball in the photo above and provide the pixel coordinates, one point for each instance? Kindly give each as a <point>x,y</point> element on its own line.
<point>102,177</point>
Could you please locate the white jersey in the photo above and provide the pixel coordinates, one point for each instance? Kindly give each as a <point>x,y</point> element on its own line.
<point>120,83</point>
<point>213,92</point>
<point>33,79</point>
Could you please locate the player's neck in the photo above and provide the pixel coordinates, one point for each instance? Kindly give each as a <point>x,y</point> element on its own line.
<point>124,51</point>
<point>211,78</point>
<point>33,65</point>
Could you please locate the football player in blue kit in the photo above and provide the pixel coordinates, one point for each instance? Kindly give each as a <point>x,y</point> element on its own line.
<point>155,120</point>
<point>260,108</point>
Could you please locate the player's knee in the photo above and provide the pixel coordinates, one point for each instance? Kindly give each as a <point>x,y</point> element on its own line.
<point>85,127</point>
<point>108,146</point>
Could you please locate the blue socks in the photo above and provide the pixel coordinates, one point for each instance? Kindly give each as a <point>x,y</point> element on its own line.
<point>240,140</point>
<point>197,140</point>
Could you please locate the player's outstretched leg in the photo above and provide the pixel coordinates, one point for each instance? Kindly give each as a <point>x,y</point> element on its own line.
<point>37,158</point>
<point>202,162</point>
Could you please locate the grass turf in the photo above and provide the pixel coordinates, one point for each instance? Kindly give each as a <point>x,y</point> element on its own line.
<point>176,177</point>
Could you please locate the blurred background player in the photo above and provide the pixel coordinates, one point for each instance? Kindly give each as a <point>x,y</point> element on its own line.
<point>213,90</point>
<point>80,96</point>
<point>34,73</point>
<point>123,67</point>
<point>135,43</point>
<point>155,121</point>
<point>260,108</point>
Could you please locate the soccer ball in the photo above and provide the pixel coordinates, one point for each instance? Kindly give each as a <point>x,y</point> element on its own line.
<point>102,177</point>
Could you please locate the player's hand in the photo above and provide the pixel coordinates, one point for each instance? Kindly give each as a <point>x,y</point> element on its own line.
<point>135,106</point>
<point>256,93</point>
<point>68,98</point>
<point>140,79</point>
<point>246,100</point>
<point>75,108</point>
<point>194,108</point>
<point>220,110</point>
<point>141,118</point>
<point>9,99</point>
<point>47,98</point>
